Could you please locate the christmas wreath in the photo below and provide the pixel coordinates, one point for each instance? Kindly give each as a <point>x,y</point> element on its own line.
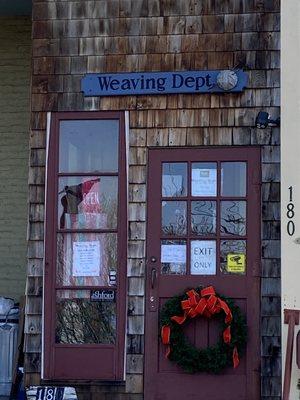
<point>203,302</point>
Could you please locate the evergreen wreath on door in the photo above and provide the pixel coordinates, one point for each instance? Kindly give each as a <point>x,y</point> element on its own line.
<point>206,303</point>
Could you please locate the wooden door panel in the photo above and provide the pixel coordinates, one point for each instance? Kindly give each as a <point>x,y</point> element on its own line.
<point>182,386</point>
<point>164,379</point>
<point>96,367</point>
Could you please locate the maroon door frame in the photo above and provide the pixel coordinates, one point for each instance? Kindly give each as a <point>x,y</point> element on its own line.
<point>81,362</point>
<point>167,385</point>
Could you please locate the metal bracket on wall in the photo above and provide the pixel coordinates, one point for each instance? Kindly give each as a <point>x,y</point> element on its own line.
<point>291,317</point>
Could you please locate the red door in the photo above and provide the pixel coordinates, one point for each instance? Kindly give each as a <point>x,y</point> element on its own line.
<point>85,248</point>
<point>203,209</point>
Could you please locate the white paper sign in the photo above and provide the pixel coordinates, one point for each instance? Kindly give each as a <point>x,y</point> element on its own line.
<point>173,253</point>
<point>86,258</point>
<point>204,182</point>
<point>172,185</point>
<point>203,257</point>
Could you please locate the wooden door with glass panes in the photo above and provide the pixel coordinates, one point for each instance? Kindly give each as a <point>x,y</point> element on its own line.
<point>203,228</point>
<point>85,248</point>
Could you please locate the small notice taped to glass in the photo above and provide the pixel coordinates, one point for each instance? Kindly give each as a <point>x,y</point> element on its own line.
<point>173,253</point>
<point>203,257</point>
<point>204,182</point>
<point>236,263</point>
<point>86,258</point>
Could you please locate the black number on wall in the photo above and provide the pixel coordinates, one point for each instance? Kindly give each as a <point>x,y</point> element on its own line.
<point>290,213</point>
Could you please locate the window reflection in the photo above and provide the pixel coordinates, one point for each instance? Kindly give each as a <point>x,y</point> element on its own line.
<point>79,320</point>
<point>233,218</point>
<point>89,146</point>
<point>233,179</point>
<point>203,218</point>
<point>174,180</point>
<point>88,203</point>
<point>174,218</point>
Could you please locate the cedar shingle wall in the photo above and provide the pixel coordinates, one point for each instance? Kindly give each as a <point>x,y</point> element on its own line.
<point>72,38</point>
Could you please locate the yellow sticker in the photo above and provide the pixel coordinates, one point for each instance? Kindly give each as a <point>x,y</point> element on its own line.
<point>236,263</point>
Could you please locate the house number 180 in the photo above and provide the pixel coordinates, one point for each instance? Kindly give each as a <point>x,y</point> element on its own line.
<point>290,213</point>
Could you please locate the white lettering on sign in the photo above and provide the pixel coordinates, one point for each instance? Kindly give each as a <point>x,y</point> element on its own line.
<point>213,81</point>
<point>203,257</point>
<point>154,83</point>
<point>204,182</point>
<point>86,258</point>
<point>173,253</point>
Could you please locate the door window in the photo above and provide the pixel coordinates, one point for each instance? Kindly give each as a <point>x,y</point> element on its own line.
<point>80,149</point>
<point>204,206</point>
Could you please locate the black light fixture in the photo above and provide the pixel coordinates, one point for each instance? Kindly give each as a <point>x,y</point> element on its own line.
<point>263,120</point>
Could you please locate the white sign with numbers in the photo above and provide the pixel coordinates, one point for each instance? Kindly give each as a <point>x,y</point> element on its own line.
<point>50,393</point>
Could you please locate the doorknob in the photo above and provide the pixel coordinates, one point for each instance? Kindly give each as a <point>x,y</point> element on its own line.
<point>153,277</point>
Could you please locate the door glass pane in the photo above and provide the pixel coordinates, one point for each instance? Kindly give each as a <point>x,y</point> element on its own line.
<point>233,256</point>
<point>174,180</point>
<point>88,146</point>
<point>204,179</point>
<point>233,179</point>
<point>88,202</point>
<point>203,218</point>
<point>203,257</point>
<point>233,218</point>
<point>80,320</point>
<point>174,218</point>
<point>173,257</point>
<point>86,259</point>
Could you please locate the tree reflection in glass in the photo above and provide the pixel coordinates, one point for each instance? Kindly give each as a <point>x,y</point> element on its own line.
<point>233,218</point>
<point>174,218</point>
<point>80,320</point>
<point>174,180</point>
<point>203,218</point>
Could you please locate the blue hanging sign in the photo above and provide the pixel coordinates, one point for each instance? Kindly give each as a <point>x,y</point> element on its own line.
<point>135,83</point>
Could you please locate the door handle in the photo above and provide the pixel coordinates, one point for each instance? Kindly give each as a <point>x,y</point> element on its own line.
<point>153,277</point>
